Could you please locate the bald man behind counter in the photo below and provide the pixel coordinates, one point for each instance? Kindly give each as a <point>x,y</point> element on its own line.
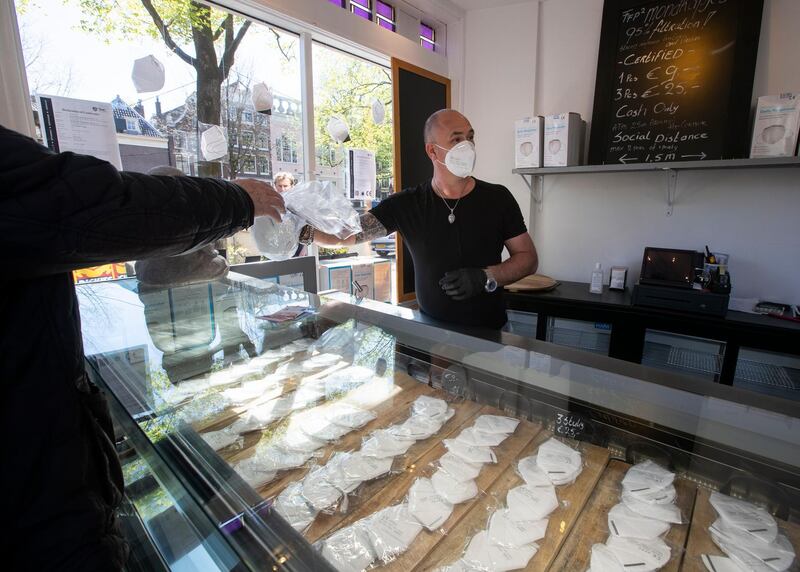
<point>455,227</point>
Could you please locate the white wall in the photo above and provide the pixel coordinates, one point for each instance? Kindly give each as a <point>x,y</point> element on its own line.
<point>752,215</point>
<point>499,88</point>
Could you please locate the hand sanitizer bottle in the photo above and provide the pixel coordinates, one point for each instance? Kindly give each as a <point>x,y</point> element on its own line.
<point>596,286</point>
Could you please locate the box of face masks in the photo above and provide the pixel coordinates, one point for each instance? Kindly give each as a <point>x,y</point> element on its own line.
<point>776,126</point>
<point>528,137</point>
<point>563,136</point>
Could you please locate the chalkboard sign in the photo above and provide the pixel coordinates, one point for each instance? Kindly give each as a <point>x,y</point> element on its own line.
<point>418,93</point>
<point>674,80</point>
<point>572,425</point>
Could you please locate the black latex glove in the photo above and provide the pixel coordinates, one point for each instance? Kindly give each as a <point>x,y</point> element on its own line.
<point>463,283</point>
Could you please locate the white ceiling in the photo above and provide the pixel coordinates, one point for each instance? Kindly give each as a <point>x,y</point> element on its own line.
<point>478,4</point>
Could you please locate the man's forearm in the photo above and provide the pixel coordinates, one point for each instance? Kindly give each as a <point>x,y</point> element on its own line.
<point>323,239</point>
<point>516,267</point>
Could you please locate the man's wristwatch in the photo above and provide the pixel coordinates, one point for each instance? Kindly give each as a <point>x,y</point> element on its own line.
<point>306,235</point>
<point>491,283</point>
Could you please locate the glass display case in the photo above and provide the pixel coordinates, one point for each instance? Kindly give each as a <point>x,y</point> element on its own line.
<point>264,428</point>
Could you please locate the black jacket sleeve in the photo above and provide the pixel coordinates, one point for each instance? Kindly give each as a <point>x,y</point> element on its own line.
<point>59,212</point>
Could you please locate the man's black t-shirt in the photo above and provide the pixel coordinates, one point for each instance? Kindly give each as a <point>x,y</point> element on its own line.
<point>485,219</point>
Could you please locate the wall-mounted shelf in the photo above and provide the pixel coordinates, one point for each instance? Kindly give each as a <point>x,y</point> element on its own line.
<point>669,169</point>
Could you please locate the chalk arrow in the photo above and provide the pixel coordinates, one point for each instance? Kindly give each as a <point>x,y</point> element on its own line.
<point>701,156</point>
<point>625,159</point>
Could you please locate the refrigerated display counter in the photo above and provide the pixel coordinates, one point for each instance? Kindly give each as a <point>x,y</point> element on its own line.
<point>265,428</point>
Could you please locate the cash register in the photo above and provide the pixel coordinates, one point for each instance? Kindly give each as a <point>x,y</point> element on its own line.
<point>684,280</point>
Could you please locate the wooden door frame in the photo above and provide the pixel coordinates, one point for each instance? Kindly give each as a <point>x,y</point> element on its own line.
<point>398,65</point>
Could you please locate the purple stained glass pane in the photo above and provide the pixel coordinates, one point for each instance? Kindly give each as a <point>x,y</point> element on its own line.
<point>339,3</point>
<point>385,24</point>
<point>384,10</point>
<point>426,32</point>
<point>427,45</point>
<point>358,11</point>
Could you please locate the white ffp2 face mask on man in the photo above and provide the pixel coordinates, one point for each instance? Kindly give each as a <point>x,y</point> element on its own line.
<point>460,159</point>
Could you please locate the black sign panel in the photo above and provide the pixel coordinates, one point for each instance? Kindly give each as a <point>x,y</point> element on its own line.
<point>674,80</point>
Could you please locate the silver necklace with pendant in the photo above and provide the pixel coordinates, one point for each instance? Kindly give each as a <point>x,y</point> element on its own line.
<point>451,218</point>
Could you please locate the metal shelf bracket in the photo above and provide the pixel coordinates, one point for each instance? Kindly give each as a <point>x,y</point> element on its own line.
<point>536,189</point>
<point>672,183</point>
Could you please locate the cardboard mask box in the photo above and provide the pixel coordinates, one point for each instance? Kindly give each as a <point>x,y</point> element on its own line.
<point>528,138</point>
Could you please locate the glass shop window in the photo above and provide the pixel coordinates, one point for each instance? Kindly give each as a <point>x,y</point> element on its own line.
<point>362,8</point>
<point>352,111</point>
<point>216,67</point>
<point>427,37</point>
<point>384,14</point>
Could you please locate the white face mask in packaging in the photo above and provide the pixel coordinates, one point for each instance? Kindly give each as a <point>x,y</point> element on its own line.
<point>484,555</point>
<point>647,477</point>
<point>233,375</point>
<point>383,444</point>
<point>452,490</point>
<point>531,503</point>
<point>252,390</point>
<point>148,74</point>
<point>417,427</point>
<point>348,415</point>
<point>531,473</point>
<point>474,436</point>
<point>470,453</point>
<point>262,98</point>
<point>262,415</point>
<point>715,563</point>
<point>335,474</point>
<point>338,130</point>
<point>358,468</point>
<point>321,361</point>
<point>378,111</point>
<point>291,505</point>
<point>295,439</point>
<point>252,472</point>
<point>496,424</point>
<point>372,393</point>
<point>665,512</point>
<point>391,531</point>
<point>458,468</point>
<point>318,427</point>
<point>603,560</point>
<point>213,143</point>
<point>307,395</point>
<point>220,439</point>
<point>426,505</point>
<point>276,240</point>
<point>457,566</point>
<point>561,463</point>
<point>744,548</point>
<point>459,159</point>
<point>646,555</point>
<point>276,459</point>
<point>430,406</point>
<point>666,495</point>
<point>319,493</point>
<point>622,521</point>
<point>745,515</point>
<point>349,549</point>
<point>505,531</point>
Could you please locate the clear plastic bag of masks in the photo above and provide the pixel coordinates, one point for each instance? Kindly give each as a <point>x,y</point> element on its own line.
<point>324,207</point>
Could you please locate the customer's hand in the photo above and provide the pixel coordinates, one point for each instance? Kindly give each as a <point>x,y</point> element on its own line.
<point>267,201</point>
<point>464,283</point>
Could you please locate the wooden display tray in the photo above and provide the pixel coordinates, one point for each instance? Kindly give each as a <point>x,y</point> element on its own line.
<point>533,283</point>
<point>700,539</point>
<point>593,525</point>
<point>573,498</point>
